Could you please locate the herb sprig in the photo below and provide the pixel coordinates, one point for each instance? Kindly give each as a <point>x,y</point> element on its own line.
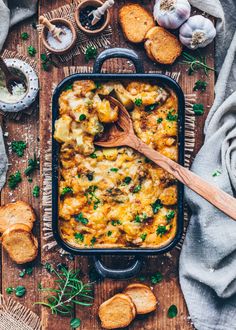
<point>196,63</point>
<point>33,165</point>
<point>70,290</point>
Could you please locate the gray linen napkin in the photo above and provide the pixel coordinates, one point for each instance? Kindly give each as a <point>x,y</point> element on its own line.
<point>208,257</point>
<point>11,12</point>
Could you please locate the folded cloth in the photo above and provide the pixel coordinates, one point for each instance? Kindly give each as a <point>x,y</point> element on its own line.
<point>11,12</point>
<point>208,257</point>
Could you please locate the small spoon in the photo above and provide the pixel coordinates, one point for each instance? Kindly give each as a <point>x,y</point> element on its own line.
<point>100,11</point>
<point>11,79</point>
<point>55,31</point>
<point>122,134</point>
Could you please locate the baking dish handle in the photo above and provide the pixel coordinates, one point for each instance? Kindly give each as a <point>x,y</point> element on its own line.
<point>118,53</point>
<point>118,274</point>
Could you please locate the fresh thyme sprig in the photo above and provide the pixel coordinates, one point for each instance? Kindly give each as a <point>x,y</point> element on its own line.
<point>196,63</point>
<point>70,290</point>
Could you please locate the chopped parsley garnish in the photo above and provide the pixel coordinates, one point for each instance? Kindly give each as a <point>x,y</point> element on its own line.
<point>36,190</point>
<point>9,290</point>
<point>156,206</point>
<point>46,62</point>
<point>66,191</point>
<point>143,236</point>
<point>140,217</point>
<point>138,102</point>
<point>156,278</point>
<point>31,51</point>
<point>93,240</point>
<point>127,180</point>
<point>75,323</point>
<point>115,222</point>
<point>137,189</point>
<point>200,85</point>
<point>80,218</point>
<point>14,180</point>
<point>18,147</point>
<point>90,176</point>
<point>24,36</point>
<point>170,215</point>
<point>171,116</point>
<point>172,311</point>
<point>91,197</point>
<point>98,85</point>
<point>33,164</point>
<point>114,169</point>
<point>82,117</point>
<point>161,230</point>
<point>79,236</point>
<point>68,87</point>
<point>109,233</point>
<point>20,291</point>
<point>90,53</point>
<point>93,155</point>
<point>26,271</point>
<point>216,173</point>
<point>159,120</point>
<point>198,109</point>
<point>151,107</point>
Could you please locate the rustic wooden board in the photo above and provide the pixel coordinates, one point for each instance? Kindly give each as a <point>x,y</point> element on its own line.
<point>168,292</point>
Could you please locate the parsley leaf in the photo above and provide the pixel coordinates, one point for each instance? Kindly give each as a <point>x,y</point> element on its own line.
<point>200,85</point>
<point>79,236</point>
<point>31,51</point>
<point>66,190</point>
<point>151,107</point>
<point>170,215</point>
<point>114,169</point>
<point>161,230</point>
<point>156,278</point>
<point>172,311</point>
<point>143,236</point>
<point>171,116</point>
<point>138,102</point>
<point>75,323</point>
<point>18,147</point>
<point>33,164</point>
<point>127,180</point>
<point>159,120</point>
<point>80,218</point>
<point>115,222</point>
<point>36,190</point>
<point>24,36</point>
<point>216,173</point>
<point>137,188</point>
<point>198,109</point>
<point>90,53</point>
<point>14,180</point>
<point>156,206</point>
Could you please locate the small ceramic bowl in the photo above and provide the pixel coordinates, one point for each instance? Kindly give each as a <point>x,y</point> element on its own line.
<point>94,3</point>
<point>31,80</point>
<point>59,21</point>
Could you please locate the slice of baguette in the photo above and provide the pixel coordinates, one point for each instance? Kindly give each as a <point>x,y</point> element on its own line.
<point>20,243</point>
<point>142,296</point>
<point>18,212</point>
<point>117,312</point>
<point>135,22</point>
<point>162,45</point>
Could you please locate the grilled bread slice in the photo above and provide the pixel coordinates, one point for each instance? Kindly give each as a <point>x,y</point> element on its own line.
<point>162,45</point>
<point>135,22</point>
<point>142,296</point>
<point>117,312</point>
<point>20,243</point>
<point>18,212</point>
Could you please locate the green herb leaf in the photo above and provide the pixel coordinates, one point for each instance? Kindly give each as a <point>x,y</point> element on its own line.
<point>143,236</point>
<point>114,169</point>
<point>68,87</point>
<point>82,117</point>
<point>75,323</point>
<point>109,233</point>
<point>198,109</point>
<point>90,176</point>
<point>159,120</point>
<point>156,206</point>
<point>200,85</point>
<point>36,190</point>
<point>156,278</point>
<point>196,63</point>
<point>170,215</point>
<point>137,189</point>
<point>140,217</point>
<point>9,290</point>
<point>138,102</point>
<point>20,291</point>
<point>14,180</point>
<point>33,165</point>
<point>79,236</point>
<point>90,53</point>
<point>80,218</point>
<point>127,180</point>
<point>93,241</point>
<point>151,107</point>
<point>115,222</point>
<point>161,230</point>
<point>31,51</point>
<point>171,116</point>
<point>172,311</point>
<point>28,271</point>
<point>216,173</point>
<point>24,36</point>
<point>93,155</point>
<point>18,147</point>
<point>66,190</point>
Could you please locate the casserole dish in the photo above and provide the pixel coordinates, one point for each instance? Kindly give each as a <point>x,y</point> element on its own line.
<point>99,77</point>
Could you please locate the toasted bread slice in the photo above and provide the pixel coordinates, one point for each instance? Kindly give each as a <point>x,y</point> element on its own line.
<point>20,243</point>
<point>117,312</point>
<point>162,45</point>
<point>135,22</point>
<point>142,296</point>
<point>18,212</point>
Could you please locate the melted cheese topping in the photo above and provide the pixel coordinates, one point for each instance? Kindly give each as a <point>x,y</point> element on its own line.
<point>115,197</point>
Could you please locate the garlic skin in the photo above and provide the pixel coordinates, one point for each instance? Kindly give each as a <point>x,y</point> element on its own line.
<point>197,32</point>
<point>171,14</point>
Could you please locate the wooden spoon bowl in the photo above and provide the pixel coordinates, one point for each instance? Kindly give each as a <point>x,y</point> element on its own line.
<point>122,134</point>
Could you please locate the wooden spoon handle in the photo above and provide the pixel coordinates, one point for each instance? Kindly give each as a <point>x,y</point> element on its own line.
<point>211,193</point>
<point>4,67</point>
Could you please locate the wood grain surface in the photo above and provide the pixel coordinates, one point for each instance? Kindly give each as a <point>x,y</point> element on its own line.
<point>35,130</point>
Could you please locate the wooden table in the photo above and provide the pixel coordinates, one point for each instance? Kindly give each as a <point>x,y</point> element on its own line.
<point>32,130</point>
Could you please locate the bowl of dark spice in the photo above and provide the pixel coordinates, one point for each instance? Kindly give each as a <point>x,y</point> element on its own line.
<point>58,35</point>
<point>84,17</point>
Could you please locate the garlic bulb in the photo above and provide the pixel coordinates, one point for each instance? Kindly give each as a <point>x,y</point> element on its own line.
<point>197,32</point>
<point>170,14</point>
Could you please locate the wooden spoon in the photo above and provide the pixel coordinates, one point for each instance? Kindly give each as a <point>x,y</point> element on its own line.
<point>122,134</point>
<point>100,11</point>
<point>55,31</point>
<point>11,79</point>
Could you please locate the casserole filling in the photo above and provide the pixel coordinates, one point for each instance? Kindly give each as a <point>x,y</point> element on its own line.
<point>115,197</point>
